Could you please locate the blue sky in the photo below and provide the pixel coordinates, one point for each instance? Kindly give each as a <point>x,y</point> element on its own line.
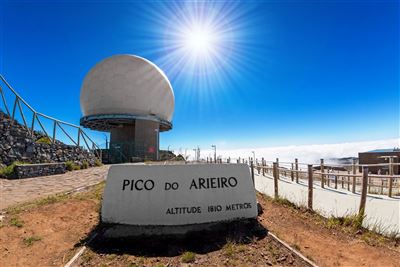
<point>284,73</point>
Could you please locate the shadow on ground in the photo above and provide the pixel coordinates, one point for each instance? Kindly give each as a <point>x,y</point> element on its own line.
<point>201,242</point>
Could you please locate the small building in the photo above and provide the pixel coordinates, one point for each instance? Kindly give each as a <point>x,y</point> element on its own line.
<point>378,156</point>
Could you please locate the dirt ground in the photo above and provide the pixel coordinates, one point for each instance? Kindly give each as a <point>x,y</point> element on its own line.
<point>50,231</point>
<point>234,245</point>
<point>46,232</point>
<point>309,234</point>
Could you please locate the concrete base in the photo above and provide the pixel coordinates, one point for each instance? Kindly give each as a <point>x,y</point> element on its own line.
<point>127,231</point>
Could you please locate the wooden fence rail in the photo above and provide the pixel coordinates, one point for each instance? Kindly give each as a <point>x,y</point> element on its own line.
<point>275,169</point>
<point>352,180</point>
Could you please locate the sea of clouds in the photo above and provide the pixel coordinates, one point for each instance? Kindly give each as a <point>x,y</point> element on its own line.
<point>306,153</point>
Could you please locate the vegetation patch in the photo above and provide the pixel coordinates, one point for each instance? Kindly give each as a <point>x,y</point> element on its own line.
<point>85,164</point>
<point>98,163</point>
<point>9,171</point>
<point>16,222</point>
<point>188,257</point>
<point>28,241</point>
<point>44,140</point>
<point>284,202</point>
<point>71,166</point>
<point>229,248</point>
<point>352,221</point>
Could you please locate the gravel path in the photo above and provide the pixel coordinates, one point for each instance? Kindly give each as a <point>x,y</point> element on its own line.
<point>17,191</point>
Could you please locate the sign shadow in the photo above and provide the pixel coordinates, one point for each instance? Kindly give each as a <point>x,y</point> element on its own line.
<point>201,242</point>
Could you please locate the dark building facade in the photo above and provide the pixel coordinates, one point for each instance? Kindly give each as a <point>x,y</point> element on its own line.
<point>376,157</point>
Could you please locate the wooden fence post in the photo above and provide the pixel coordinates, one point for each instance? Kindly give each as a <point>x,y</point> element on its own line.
<point>275,174</point>
<point>292,173</point>
<point>369,185</point>
<point>296,166</point>
<point>322,174</point>
<point>310,187</point>
<point>277,166</point>
<point>391,173</point>
<point>277,171</point>
<point>252,172</point>
<point>263,164</point>
<point>329,178</point>
<point>348,183</point>
<point>353,189</point>
<point>336,179</point>
<point>363,199</point>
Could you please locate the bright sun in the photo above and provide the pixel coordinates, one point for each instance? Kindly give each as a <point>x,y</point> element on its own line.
<point>199,41</point>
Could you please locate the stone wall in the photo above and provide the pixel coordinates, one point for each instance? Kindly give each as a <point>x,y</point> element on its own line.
<point>34,170</point>
<point>17,144</point>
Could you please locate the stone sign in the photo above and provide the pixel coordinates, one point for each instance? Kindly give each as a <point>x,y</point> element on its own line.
<point>169,195</point>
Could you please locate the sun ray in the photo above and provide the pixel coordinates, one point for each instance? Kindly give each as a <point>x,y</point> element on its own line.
<point>203,46</point>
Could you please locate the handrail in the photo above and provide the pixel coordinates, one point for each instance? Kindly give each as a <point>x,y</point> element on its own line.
<point>337,165</point>
<point>15,93</point>
<point>389,182</point>
<point>266,167</point>
<point>94,148</point>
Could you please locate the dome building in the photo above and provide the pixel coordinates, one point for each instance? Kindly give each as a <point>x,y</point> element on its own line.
<point>131,98</point>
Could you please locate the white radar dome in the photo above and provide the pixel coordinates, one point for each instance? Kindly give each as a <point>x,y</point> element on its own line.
<point>127,84</point>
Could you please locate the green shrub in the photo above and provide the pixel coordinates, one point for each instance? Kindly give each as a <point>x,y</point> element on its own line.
<point>85,164</point>
<point>76,167</point>
<point>9,171</point>
<point>30,240</point>
<point>69,165</point>
<point>353,221</point>
<point>188,257</point>
<point>16,222</point>
<point>44,140</point>
<point>97,163</point>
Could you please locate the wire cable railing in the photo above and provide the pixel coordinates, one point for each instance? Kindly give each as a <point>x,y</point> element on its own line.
<point>36,123</point>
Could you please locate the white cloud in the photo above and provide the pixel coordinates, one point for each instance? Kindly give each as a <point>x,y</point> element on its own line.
<point>306,153</point>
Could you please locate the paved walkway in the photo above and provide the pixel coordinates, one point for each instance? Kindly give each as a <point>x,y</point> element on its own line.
<point>382,212</point>
<point>17,191</point>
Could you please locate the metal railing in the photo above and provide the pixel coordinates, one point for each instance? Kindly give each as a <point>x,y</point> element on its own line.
<point>19,103</point>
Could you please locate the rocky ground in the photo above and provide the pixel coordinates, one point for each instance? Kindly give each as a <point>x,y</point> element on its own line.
<point>17,144</point>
